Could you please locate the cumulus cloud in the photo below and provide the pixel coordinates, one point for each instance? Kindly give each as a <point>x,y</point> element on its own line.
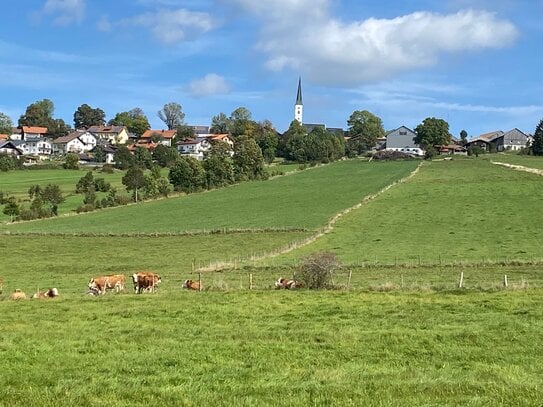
<point>334,51</point>
<point>211,84</point>
<point>66,11</point>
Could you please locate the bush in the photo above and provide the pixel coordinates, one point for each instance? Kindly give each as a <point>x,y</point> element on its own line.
<point>391,155</point>
<point>100,184</point>
<point>85,208</point>
<point>107,169</point>
<point>316,270</point>
<point>71,161</point>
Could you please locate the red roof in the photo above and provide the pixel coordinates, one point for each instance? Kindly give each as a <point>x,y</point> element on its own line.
<point>167,134</point>
<point>4,137</point>
<point>34,130</point>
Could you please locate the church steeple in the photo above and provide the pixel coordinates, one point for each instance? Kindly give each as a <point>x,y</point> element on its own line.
<point>298,108</point>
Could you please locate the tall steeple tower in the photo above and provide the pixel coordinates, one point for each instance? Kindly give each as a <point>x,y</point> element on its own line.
<point>299,107</point>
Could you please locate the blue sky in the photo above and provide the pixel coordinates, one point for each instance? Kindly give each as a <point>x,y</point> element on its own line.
<point>476,64</point>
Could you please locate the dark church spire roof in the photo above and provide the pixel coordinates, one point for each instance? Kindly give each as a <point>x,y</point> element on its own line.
<point>299,95</point>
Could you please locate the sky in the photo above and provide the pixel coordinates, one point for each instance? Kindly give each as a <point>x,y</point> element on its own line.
<point>475,63</point>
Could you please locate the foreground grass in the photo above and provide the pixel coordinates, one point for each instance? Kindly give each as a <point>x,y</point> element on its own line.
<point>452,211</point>
<point>276,348</point>
<point>303,200</point>
<point>525,160</point>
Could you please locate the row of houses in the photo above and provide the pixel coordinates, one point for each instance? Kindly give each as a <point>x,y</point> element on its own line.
<point>33,142</point>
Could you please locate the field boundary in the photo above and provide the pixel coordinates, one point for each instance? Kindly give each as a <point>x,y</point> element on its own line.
<point>220,265</point>
<point>519,167</point>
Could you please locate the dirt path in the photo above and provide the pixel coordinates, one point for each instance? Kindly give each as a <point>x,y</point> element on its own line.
<point>321,232</point>
<point>519,167</point>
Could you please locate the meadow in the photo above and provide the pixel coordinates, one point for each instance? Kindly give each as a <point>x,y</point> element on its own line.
<point>395,331</point>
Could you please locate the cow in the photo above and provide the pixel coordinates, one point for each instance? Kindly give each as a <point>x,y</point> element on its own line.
<point>192,285</point>
<point>286,284</point>
<point>18,295</point>
<point>1,285</point>
<point>145,281</point>
<point>50,293</point>
<point>112,282</point>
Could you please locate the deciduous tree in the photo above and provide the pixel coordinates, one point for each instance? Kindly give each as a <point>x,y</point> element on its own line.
<point>6,125</point>
<point>134,180</point>
<point>187,175</point>
<point>219,124</point>
<point>267,139</point>
<point>11,208</point>
<point>172,115</point>
<point>86,116</point>
<point>248,159</point>
<point>366,128</point>
<point>123,158</point>
<point>135,121</point>
<point>432,132</point>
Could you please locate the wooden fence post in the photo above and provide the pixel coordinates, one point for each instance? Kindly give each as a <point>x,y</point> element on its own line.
<point>505,284</point>
<point>349,282</point>
<point>199,281</point>
<point>250,281</point>
<point>461,282</point>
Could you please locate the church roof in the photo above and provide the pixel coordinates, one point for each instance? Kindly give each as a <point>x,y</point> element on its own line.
<point>299,95</point>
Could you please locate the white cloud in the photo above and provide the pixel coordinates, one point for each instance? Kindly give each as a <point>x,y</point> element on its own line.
<point>170,26</point>
<point>331,51</point>
<point>211,84</point>
<point>66,11</point>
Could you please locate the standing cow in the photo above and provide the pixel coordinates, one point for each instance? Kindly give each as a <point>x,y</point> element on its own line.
<point>101,284</point>
<point>145,281</point>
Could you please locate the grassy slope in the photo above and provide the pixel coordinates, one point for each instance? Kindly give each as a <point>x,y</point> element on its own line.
<point>306,199</point>
<point>525,160</point>
<point>457,210</point>
<point>276,348</point>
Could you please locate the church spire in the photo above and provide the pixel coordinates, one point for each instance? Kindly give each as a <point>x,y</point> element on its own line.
<point>298,108</point>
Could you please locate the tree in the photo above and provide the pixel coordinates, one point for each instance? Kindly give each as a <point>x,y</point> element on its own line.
<point>218,165</point>
<point>85,117</point>
<point>11,208</point>
<point>295,131</point>
<point>135,121</point>
<point>99,154</point>
<point>172,115</point>
<point>187,175</point>
<point>6,125</point>
<point>219,124</point>
<point>366,128</point>
<point>142,158</point>
<point>133,180</point>
<point>463,137</point>
<point>7,163</point>
<point>267,139</point>
<point>432,132</point>
<point>165,156</point>
<point>71,161</point>
<point>52,195</point>
<point>123,157</point>
<point>316,270</point>
<point>240,122</point>
<point>85,183</point>
<point>40,114</point>
<point>537,144</point>
<point>248,159</point>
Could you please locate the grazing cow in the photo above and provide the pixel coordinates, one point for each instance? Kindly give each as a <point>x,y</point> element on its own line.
<point>286,284</point>
<point>51,293</point>
<point>192,285</point>
<point>145,281</point>
<point>114,282</point>
<point>18,295</point>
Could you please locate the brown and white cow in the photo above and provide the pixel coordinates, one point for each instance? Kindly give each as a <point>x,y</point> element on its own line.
<point>1,285</point>
<point>18,295</point>
<point>145,281</point>
<point>286,284</point>
<point>51,293</point>
<point>113,282</point>
<point>192,285</point>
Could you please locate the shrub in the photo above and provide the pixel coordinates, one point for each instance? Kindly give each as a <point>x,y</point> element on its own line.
<point>85,208</point>
<point>100,184</point>
<point>108,169</point>
<point>391,155</point>
<point>316,270</point>
<point>71,161</point>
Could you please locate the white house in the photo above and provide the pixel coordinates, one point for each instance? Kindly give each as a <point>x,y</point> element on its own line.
<point>111,134</point>
<point>193,147</point>
<point>75,142</point>
<point>163,136</point>
<point>37,146</point>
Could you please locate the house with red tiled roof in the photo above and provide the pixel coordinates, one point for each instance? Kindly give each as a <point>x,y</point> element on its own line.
<point>197,147</point>
<point>158,136</point>
<point>32,132</point>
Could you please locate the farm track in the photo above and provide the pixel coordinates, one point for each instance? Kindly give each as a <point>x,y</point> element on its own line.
<point>217,266</point>
<point>519,167</point>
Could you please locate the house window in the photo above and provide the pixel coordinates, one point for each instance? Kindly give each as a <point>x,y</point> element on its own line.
<point>403,133</point>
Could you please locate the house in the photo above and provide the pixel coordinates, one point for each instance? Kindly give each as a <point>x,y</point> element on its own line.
<point>401,139</point>
<point>162,136</point>
<point>36,146</point>
<point>200,129</point>
<point>10,147</point>
<point>512,140</point>
<point>108,150</point>
<point>33,132</point>
<point>111,134</point>
<point>451,149</point>
<point>75,142</point>
<point>486,140</point>
<point>225,138</point>
<point>194,147</point>
<point>4,137</point>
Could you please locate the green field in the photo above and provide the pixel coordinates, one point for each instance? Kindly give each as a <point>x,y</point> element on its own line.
<point>452,211</point>
<point>400,334</point>
<point>306,199</point>
<point>525,160</point>
<point>275,348</point>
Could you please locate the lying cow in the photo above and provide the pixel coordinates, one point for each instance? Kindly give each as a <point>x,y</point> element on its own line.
<point>145,281</point>
<point>113,282</point>
<point>18,295</point>
<point>192,285</point>
<point>51,293</point>
<point>286,284</point>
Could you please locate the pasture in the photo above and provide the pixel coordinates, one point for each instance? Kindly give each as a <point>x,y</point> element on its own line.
<point>396,331</point>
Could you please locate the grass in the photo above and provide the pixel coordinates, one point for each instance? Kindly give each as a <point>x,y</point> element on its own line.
<point>452,211</point>
<point>276,348</point>
<point>306,199</point>
<point>525,160</point>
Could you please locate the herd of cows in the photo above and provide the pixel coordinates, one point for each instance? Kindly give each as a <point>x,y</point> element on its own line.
<point>143,281</point>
